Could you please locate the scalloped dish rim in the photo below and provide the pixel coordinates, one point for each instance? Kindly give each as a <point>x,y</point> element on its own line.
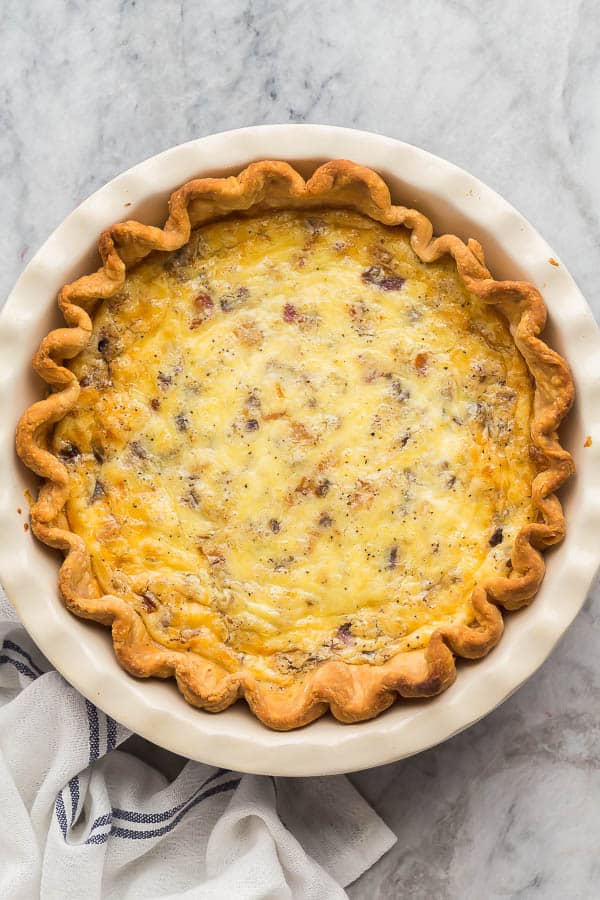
<point>407,727</point>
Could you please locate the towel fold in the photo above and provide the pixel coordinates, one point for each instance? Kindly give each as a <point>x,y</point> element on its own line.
<point>83,818</point>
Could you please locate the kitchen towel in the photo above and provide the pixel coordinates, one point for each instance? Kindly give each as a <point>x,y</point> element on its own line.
<point>83,819</point>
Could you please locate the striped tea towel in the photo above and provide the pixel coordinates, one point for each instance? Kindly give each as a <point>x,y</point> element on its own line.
<point>83,819</point>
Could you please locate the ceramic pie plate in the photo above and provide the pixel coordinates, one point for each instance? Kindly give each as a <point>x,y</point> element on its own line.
<point>455,202</point>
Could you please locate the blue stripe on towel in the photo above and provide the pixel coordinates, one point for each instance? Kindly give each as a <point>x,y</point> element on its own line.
<point>111,734</point>
<point>19,666</point>
<point>61,815</point>
<point>7,644</point>
<point>154,818</point>
<point>165,829</point>
<point>92,714</point>
<point>133,817</point>
<point>106,819</point>
<point>74,788</point>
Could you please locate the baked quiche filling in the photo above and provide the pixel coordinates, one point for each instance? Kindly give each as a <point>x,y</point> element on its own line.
<point>296,442</point>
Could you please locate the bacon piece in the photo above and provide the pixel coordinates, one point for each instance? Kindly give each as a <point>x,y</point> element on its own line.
<point>422,363</point>
<point>204,307</point>
<point>384,279</point>
<point>149,601</point>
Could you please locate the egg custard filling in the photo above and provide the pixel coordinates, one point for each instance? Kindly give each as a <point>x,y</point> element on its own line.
<point>296,442</point>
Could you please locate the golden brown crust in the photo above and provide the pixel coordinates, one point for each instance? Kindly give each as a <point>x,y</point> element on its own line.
<point>351,692</point>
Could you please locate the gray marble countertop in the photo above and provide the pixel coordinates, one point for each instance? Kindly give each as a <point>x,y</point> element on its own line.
<point>510,92</point>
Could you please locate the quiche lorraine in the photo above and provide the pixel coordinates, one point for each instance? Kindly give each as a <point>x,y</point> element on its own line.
<point>295,448</point>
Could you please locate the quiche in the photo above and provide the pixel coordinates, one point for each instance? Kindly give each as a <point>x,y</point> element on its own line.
<point>296,449</point>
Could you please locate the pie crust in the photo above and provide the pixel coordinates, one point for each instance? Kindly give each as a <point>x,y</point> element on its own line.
<point>352,691</point>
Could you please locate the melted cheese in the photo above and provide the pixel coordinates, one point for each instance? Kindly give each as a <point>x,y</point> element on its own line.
<point>294,441</point>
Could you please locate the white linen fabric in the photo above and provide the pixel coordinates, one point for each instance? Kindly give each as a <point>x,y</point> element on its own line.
<point>81,818</point>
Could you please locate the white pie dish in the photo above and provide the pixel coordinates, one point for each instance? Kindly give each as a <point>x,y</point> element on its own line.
<point>456,202</point>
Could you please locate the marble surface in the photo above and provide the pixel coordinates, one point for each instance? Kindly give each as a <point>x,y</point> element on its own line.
<point>509,91</point>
